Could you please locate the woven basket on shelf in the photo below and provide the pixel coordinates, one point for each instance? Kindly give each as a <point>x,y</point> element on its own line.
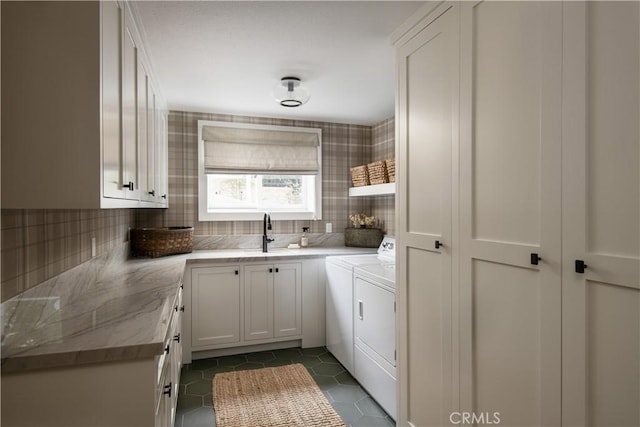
<point>359,176</point>
<point>157,242</point>
<point>378,172</point>
<point>391,169</point>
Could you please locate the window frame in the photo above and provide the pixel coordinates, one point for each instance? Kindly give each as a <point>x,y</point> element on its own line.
<point>203,211</point>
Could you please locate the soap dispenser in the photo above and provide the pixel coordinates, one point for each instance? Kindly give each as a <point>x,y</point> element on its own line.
<point>304,241</point>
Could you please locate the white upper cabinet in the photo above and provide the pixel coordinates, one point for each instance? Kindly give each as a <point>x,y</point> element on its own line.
<point>70,125</point>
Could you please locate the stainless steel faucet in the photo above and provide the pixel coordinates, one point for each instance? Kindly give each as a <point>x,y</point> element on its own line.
<point>266,225</point>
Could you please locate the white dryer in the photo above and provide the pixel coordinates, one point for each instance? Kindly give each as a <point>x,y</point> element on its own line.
<point>374,331</point>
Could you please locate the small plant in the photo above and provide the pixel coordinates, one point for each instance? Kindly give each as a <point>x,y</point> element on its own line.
<point>361,220</point>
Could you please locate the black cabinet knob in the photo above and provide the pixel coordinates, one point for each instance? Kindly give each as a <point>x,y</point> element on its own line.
<point>182,308</point>
<point>166,349</point>
<point>535,258</point>
<point>439,244</point>
<point>152,192</point>
<point>129,186</point>
<point>176,338</point>
<point>580,266</point>
<point>164,196</point>
<point>167,389</point>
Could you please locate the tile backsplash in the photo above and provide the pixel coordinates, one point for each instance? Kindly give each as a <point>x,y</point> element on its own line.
<point>343,146</point>
<point>38,244</point>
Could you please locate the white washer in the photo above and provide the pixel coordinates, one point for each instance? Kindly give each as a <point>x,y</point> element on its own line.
<point>339,299</point>
<point>374,331</point>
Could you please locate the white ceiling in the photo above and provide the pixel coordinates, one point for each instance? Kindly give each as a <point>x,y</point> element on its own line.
<point>225,57</point>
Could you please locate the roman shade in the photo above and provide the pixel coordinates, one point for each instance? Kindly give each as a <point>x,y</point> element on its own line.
<point>260,149</point>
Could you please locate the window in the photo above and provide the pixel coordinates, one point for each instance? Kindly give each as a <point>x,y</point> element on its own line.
<point>243,174</point>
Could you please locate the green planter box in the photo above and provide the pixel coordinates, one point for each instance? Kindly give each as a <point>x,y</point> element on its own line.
<point>363,237</point>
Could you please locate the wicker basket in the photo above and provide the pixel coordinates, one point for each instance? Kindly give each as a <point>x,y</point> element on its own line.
<point>359,176</point>
<point>391,169</point>
<point>378,172</point>
<point>157,242</point>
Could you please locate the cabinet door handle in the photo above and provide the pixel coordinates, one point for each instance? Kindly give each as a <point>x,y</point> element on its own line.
<point>129,186</point>
<point>182,308</point>
<point>152,193</point>
<point>277,270</point>
<point>439,244</point>
<point>237,272</point>
<point>360,309</point>
<point>271,270</point>
<point>580,266</point>
<point>176,308</point>
<point>176,338</point>
<point>164,196</point>
<point>535,258</point>
<point>166,349</point>
<point>167,389</point>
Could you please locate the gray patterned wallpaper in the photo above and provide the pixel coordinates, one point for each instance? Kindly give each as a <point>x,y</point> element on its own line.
<point>38,244</point>
<point>343,146</point>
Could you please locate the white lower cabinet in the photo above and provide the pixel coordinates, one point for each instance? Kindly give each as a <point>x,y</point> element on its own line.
<point>254,304</point>
<point>272,301</point>
<point>169,366</point>
<point>215,305</point>
<point>122,393</point>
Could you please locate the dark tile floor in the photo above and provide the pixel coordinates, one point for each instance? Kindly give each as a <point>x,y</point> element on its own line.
<point>195,406</point>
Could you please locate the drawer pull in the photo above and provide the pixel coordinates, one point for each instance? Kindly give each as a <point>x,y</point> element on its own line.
<point>360,310</point>
<point>167,389</point>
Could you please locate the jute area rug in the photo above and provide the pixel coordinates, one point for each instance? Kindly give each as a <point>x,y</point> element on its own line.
<point>270,397</point>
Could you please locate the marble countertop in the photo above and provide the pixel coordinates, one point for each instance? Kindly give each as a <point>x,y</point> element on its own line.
<point>111,308</point>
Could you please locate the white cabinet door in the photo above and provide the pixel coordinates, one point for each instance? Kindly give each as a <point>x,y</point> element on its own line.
<point>111,79</point>
<point>510,174</point>
<point>287,300</point>
<point>258,302</point>
<point>143,141</point>
<point>129,112</point>
<point>162,168</point>
<point>215,306</point>
<point>152,144</point>
<point>601,214</point>
<point>427,164</point>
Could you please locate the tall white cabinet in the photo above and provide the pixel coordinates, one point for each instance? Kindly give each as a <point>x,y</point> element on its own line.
<point>601,214</point>
<point>529,172</point>
<point>426,123</point>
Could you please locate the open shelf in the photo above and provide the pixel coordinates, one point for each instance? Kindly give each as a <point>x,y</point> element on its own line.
<point>373,190</point>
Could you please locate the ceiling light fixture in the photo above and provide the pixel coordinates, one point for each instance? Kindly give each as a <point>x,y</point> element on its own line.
<point>289,92</point>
